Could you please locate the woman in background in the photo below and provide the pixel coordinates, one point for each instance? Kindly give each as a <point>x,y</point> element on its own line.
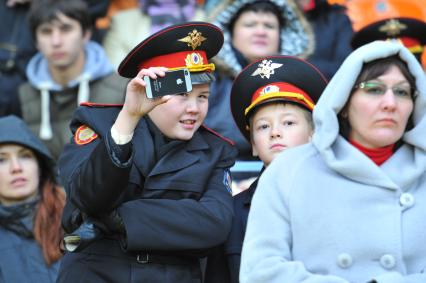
<point>31,204</point>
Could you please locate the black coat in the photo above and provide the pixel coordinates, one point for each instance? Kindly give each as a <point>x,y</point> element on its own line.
<point>172,197</point>
<point>223,264</point>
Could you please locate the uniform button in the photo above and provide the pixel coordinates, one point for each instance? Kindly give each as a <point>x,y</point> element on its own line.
<point>388,261</point>
<point>406,200</point>
<point>344,260</point>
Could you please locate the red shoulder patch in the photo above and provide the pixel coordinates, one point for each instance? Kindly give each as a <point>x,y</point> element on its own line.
<point>219,135</point>
<point>92,104</point>
<point>84,135</point>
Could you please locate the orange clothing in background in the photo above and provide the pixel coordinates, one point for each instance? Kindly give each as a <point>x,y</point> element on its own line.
<point>365,12</point>
<point>114,7</point>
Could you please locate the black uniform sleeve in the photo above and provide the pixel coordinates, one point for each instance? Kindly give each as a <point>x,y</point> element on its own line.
<point>95,175</point>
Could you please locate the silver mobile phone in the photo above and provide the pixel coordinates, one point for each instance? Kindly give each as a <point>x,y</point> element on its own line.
<point>174,82</point>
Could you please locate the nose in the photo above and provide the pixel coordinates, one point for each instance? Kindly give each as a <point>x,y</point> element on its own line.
<point>15,165</point>
<point>56,37</point>
<point>260,29</point>
<point>276,132</point>
<point>389,100</point>
<point>192,106</point>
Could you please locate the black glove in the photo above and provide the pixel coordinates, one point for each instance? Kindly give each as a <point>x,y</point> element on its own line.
<point>93,229</point>
<point>111,223</point>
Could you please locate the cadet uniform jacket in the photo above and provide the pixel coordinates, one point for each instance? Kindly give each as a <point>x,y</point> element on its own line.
<point>172,196</point>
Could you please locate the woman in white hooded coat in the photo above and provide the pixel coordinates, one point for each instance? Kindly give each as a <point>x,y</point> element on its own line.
<point>350,205</point>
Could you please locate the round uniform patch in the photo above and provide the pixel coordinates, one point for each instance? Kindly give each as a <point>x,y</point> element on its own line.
<point>84,135</point>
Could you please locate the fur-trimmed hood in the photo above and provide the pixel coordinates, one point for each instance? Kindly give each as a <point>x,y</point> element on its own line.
<point>297,38</point>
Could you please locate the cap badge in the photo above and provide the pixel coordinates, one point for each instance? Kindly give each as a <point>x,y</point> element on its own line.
<point>266,68</point>
<point>84,135</point>
<point>193,59</point>
<point>194,39</point>
<point>392,27</point>
<point>269,89</point>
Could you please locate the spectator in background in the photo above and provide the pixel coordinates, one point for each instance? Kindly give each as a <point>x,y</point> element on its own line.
<point>69,69</point>
<point>149,17</point>
<point>17,47</point>
<point>349,206</point>
<point>253,30</point>
<point>31,204</point>
<point>333,33</point>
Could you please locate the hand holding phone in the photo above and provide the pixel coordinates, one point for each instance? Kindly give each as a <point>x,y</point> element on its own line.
<point>174,82</point>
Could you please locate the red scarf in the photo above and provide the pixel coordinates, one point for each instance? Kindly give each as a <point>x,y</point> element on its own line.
<point>378,155</point>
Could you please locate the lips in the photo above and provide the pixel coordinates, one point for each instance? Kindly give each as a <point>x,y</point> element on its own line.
<point>387,121</point>
<point>17,182</point>
<point>58,55</point>
<point>277,147</point>
<point>188,122</point>
<point>260,42</point>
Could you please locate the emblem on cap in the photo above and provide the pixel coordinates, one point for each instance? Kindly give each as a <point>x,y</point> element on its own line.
<point>266,68</point>
<point>193,59</point>
<point>270,89</point>
<point>194,39</point>
<point>84,135</point>
<point>392,27</point>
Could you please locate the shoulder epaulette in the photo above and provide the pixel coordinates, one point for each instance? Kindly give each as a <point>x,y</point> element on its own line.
<point>92,104</point>
<point>218,135</point>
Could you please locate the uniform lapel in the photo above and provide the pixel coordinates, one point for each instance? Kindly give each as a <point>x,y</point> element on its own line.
<point>181,156</point>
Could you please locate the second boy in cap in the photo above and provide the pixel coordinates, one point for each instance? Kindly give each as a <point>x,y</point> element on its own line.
<point>271,102</point>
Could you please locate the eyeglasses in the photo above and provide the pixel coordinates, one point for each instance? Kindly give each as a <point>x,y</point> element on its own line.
<point>379,88</point>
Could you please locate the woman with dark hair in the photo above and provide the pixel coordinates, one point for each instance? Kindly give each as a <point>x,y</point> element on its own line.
<point>31,204</point>
<point>349,206</point>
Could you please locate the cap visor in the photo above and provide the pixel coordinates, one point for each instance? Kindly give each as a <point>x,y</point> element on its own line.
<point>202,78</point>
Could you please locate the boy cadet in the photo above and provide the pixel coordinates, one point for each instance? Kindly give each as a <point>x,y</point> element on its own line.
<point>271,102</point>
<point>147,173</point>
<point>68,69</point>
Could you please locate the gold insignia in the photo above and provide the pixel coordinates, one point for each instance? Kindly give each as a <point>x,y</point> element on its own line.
<point>392,27</point>
<point>194,39</point>
<point>265,69</point>
<point>84,135</point>
<point>193,59</point>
